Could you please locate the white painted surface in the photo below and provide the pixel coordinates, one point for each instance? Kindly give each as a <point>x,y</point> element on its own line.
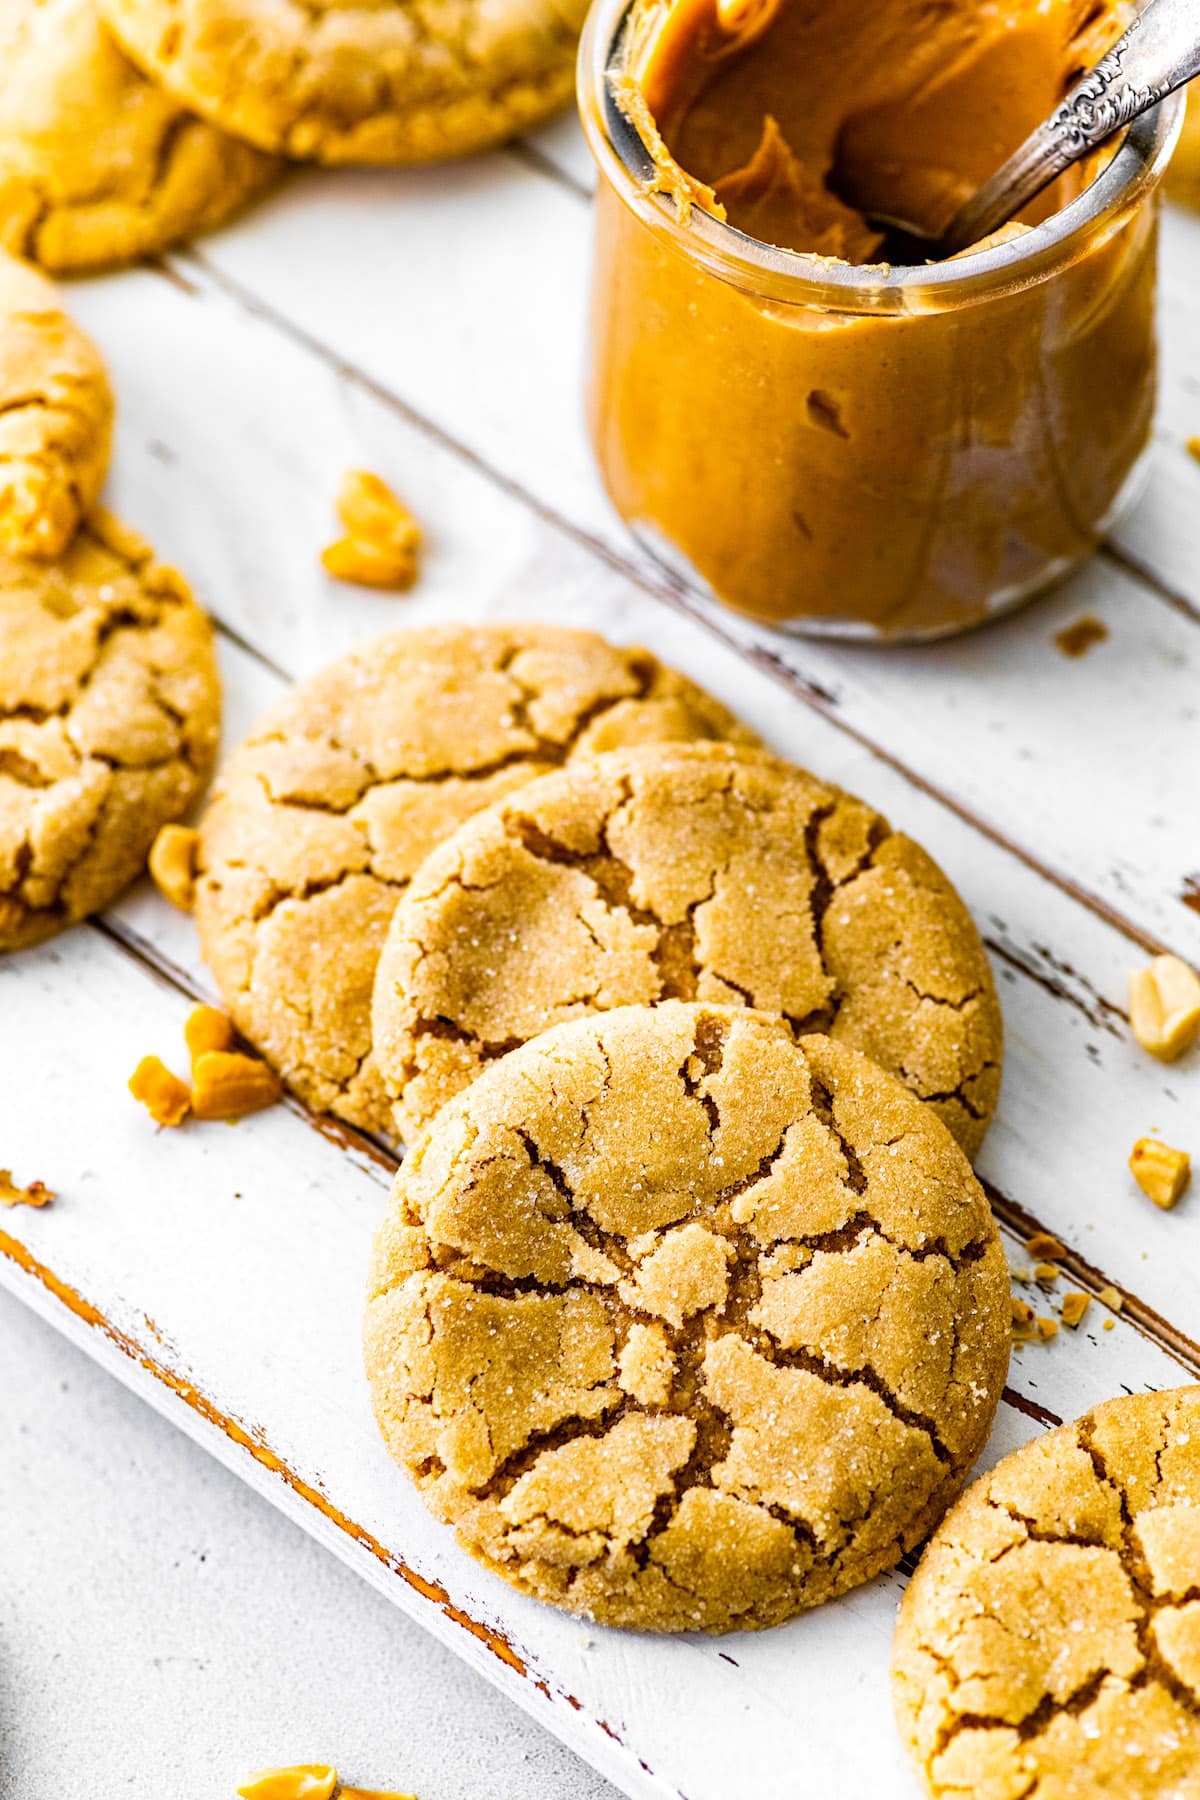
<point>429,325</point>
<point>163,1631</point>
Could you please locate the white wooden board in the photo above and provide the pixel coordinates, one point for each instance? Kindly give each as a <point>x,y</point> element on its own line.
<point>430,326</point>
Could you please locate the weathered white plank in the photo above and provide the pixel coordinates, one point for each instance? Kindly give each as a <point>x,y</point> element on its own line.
<point>228,1265</point>
<point>495,360</point>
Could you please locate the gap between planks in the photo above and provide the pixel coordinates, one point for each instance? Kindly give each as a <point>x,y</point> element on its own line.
<point>1020,1224</point>
<point>673,595</point>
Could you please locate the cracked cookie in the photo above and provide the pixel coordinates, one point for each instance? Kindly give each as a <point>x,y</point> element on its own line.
<point>1049,1642</point>
<point>97,165</point>
<point>683,1323</point>
<point>370,81</point>
<point>337,796</point>
<point>109,712</point>
<point>56,414</point>
<point>691,874</point>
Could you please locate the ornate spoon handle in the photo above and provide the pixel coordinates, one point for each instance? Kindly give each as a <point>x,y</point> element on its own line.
<point>1159,53</point>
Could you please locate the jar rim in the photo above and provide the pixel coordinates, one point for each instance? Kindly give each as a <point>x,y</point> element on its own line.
<point>797,277</point>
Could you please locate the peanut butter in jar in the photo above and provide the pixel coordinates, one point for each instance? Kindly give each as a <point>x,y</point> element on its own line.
<point>819,439</point>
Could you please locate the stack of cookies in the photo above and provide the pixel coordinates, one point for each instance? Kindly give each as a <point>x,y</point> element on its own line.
<point>688,1310</point>
<point>127,125</point>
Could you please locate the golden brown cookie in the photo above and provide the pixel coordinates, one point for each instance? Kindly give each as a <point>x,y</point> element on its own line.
<point>341,791</point>
<point>109,712</point>
<point>56,415</point>
<point>371,81</point>
<point>683,1323</point>
<point>97,165</point>
<point>686,873</point>
<point>1049,1643</point>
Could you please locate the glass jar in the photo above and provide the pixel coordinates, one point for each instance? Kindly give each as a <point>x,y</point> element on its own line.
<point>868,452</point>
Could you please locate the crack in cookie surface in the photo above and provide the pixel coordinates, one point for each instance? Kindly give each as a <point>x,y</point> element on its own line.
<point>324,813</point>
<point>1049,1642</point>
<point>698,873</point>
<point>684,1323</point>
<point>109,713</point>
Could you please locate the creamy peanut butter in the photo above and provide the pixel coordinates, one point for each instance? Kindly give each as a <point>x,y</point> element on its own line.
<point>906,463</point>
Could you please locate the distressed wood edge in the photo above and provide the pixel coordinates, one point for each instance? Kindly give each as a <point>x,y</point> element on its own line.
<point>245,1450</point>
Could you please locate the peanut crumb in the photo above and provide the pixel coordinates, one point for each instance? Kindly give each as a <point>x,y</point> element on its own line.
<point>1073,1308</point>
<point>1112,1298</point>
<point>228,1085</point>
<point>1161,1173</point>
<point>1047,1328</point>
<point>164,1096</point>
<point>1164,1007</point>
<point>36,1194</point>
<point>173,865</point>
<point>304,1781</point>
<point>1043,1248</point>
<point>207,1029</point>
<point>1045,1272</point>
<point>382,537</point>
<point>1023,1318</point>
<point>1078,638</point>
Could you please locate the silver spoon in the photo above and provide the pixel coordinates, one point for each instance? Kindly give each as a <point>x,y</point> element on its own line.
<point>1159,53</point>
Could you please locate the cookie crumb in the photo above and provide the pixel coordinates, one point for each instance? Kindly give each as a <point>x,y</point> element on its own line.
<point>164,1096</point>
<point>1078,638</point>
<point>1023,1275</point>
<point>1045,1273</point>
<point>1112,1298</point>
<point>1073,1308</point>
<point>207,1029</point>
<point>1164,1007</point>
<point>228,1085</point>
<point>36,1194</point>
<point>382,537</point>
<point>1109,1323</point>
<point>1193,447</point>
<point>173,865</point>
<point>1044,1248</point>
<point>1047,1328</point>
<point>1161,1172</point>
<point>1023,1318</point>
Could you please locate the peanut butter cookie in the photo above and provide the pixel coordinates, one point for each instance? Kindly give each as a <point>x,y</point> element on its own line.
<point>392,81</point>
<point>97,165</point>
<point>341,791</point>
<point>109,711</point>
<point>694,874</point>
<point>56,414</point>
<point>1049,1642</point>
<point>685,1324</point>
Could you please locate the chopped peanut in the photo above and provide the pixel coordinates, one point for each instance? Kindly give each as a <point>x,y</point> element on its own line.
<point>36,1194</point>
<point>207,1029</point>
<point>369,509</point>
<point>164,1096</point>
<point>1045,1272</point>
<point>1073,1308</point>
<point>366,564</point>
<point>1159,1171</point>
<point>1022,1317</point>
<point>1164,1007</point>
<point>307,1781</point>
<point>227,1085</point>
<point>382,537</point>
<point>173,865</point>
<point>1112,1298</point>
<point>1047,1328</point>
<point>1044,1248</point>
